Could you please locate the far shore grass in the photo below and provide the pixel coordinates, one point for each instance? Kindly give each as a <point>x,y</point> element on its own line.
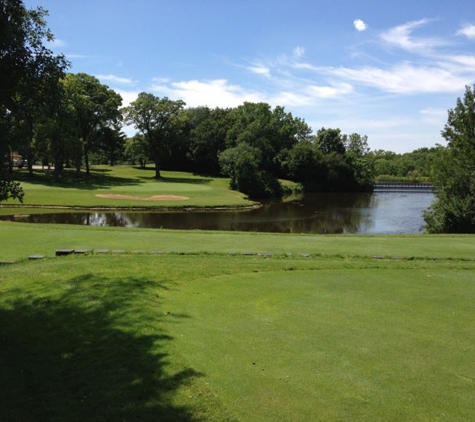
<point>79,190</point>
<point>152,324</point>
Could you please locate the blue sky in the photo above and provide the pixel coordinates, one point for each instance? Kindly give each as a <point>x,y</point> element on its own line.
<point>386,69</point>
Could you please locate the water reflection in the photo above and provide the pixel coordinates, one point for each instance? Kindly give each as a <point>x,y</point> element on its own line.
<point>381,212</point>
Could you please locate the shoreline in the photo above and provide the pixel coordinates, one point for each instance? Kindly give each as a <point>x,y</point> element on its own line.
<point>183,208</point>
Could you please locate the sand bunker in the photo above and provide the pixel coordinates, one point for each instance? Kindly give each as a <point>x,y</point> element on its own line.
<point>145,198</point>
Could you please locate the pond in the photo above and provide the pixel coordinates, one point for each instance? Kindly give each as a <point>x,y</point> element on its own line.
<point>323,213</point>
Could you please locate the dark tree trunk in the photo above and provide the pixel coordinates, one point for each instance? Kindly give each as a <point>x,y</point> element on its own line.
<point>156,160</point>
<point>157,170</point>
<point>86,160</point>
<point>58,168</point>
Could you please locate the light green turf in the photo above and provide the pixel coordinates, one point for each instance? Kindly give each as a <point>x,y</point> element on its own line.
<point>22,239</point>
<point>218,337</point>
<point>83,191</point>
<point>334,344</point>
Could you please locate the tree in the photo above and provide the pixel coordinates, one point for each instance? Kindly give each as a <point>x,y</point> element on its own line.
<point>154,118</point>
<point>96,107</point>
<point>136,150</point>
<point>453,173</point>
<point>304,165</point>
<point>330,140</point>
<point>242,164</point>
<point>357,151</point>
<point>208,130</point>
<point>28,72</point>
<point>111,143</point>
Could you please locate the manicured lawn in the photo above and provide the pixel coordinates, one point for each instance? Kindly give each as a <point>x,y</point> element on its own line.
<point>83,191</point>
<point>209,332</point>
<point>227,326</point>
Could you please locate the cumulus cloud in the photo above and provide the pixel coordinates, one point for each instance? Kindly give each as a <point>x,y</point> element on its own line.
<point>127,96</point>
<point>468,31</point>
<point>359,25</point>
<point>212,93</point>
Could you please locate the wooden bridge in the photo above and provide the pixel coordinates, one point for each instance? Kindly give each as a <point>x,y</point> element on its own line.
<point>404,187</point>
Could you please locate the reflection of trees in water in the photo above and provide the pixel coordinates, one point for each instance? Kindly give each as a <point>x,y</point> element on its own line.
<point>314,213</point>
<point>112,219</point>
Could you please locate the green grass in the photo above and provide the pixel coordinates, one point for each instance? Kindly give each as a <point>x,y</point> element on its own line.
<point>227,326</point>
<point>22,239</point>
<point>81,191</point>
<point>205,332</point>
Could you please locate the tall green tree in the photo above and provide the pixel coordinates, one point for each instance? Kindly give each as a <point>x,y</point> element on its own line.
<point>208,130</point>
<point>453,172</point>
<point>304,164</point>
<point>29,72</point>
<point>357,156</point>
<point>331,141</point>
<point>96,107</point>
<point>242,164</point>
<point>155,118</point>
<point>137,150</point>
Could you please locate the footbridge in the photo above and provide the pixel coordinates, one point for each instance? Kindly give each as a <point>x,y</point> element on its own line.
<point>402,187</point>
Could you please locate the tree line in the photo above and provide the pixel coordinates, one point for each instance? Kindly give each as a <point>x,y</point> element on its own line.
<point>71,120</point>
<point>53,116</point>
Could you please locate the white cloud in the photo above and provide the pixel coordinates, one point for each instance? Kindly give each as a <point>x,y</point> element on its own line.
<point>464,60</point>
<point>116,79</point>
<point>309,95</point>
<point>327,92</point>
<point>212,93</point>
<point>290,99</point>
<point>435,117</point>
<point>359,25</point>
<point>467,30</point>
<point>400,36</point>
<point>127,96</point>
<point>299,52</point>
<point>404,78</point>
<point>435,112</point>
<point>259,70</point>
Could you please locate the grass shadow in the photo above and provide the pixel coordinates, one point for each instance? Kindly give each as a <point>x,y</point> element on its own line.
<point>79,356</point>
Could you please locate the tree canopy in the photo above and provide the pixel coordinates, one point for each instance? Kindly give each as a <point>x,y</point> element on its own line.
<point>454,172</point>
<point>29,77</point>
<point>95,109</point>
<point>153,117</point>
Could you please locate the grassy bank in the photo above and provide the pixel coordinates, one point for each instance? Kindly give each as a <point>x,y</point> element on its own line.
<point>135,186</point>
<point>235,326</point>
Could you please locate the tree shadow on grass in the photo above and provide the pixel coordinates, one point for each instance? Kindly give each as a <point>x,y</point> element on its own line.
<point>82,357</point>
<point>97,179</point>
<point>188,180</point>
<point>198,179</point>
